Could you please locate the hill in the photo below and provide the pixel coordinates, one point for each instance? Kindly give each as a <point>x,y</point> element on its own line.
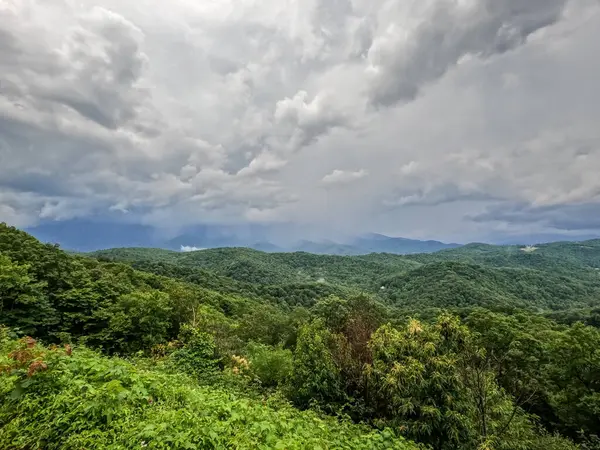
<point>457,284</point>
<point>86,236</point>
<point>243,264</point>
<point>552,277</point>
<point>581,259</point>
<point>239,348</point>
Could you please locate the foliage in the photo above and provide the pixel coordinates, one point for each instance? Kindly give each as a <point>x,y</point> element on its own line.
<point>456,284</point>
<point>198,354</point>
<point>415,383</point>
<point>135,322</point>
<point>23,305</point>
<point>434,382</point>
<point>83,400</point>
<point>503,356</point>
<point>272,366</point>
<point>267,325</point>
<point>316,378</point>
<point>574,380</point>
<point>554,277</point>
<point>551,370</point>
<point>246,265</point>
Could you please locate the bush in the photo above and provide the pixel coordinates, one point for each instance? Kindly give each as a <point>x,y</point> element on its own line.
<point>137,321</point>
<point>87,401</point>
<point>272,366</point>
<point>198,356</point>
<point>316,379</point>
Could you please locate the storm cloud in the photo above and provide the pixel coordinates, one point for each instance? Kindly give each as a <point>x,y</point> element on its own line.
<point>346,115</point>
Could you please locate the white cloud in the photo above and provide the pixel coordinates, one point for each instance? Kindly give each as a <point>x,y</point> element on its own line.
<point>343,177</point>
<point>263,163</point>
<point>187,112</point>
<point>187,248</point>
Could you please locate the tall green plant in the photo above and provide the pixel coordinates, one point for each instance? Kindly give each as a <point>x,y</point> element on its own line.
<point>316,379</point>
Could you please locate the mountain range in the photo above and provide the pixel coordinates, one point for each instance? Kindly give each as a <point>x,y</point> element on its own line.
<point>79,235</point>
<point>363,245</point>
<point>90,235</point>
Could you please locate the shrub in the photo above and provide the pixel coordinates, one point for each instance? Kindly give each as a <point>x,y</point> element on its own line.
<point>316,379</point>
<point>198,355</point>
<point>272,366</point>
<point>93,402</point>
<point>137,321</point>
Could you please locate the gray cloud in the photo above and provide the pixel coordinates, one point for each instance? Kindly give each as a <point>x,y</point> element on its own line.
<point>93,71</point>
<point>437,195</point>
<point>240,112</point>
<point>420,48</point>
<point>575,217</point>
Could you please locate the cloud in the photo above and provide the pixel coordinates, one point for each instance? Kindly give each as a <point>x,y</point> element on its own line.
<point>433,195</point>
<point>305,120</point>
<point>263,163</point>
<point>411,50</point>
<point>91,73</point>
<point>569,217</point>
<point>187,248</point>
<point>338,177</point>
<point>178,114</point>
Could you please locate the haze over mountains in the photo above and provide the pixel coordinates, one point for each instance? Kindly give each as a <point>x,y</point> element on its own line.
<point>87,235</point>
<point>370,243</point>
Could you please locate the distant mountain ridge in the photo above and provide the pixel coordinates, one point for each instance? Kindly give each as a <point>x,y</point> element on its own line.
<point>379,243</point>
<point>86,236</point>
<point>362,245</point>
<point>546,277</point>
<point>372,243</point>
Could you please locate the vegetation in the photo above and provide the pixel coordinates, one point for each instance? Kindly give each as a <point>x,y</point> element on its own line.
<point>58,399</point>
<point>479,347</point>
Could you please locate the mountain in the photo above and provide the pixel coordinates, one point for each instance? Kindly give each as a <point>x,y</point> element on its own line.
<point>378,243</point>
<point>88,235</point>
<point>371,243</point>
<point>325,248</point>
<point>231,333</point>
<point>85,235</point>
<point>267,247</point>
<point>548,277</point>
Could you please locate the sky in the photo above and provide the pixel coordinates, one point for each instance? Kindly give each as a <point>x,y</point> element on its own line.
<point>456,120</point>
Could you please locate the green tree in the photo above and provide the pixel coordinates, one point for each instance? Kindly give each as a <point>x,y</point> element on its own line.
<point>265,324</point>
<point>414,383</point>
<point>137,321</point>
<point>574,380</point>
<point>316,379</point>
<point>271,365</point>
<point>23,304</point>
<point>199,355</point>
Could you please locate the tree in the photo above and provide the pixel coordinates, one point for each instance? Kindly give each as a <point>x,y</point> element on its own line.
<point>271,365</point>
<point>198,355</point>
<point>316,379</point>
<point>23,304</point>
<point>265,324</point>
<point>137,321</point>
<point>415,385</point>
<point>574,380</point>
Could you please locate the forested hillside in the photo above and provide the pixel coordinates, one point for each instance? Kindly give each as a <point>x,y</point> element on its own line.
<point>550,277</point>
<point>479,347</point>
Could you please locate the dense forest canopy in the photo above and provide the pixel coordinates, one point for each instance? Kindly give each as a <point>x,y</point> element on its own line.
<point>477,347</point>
